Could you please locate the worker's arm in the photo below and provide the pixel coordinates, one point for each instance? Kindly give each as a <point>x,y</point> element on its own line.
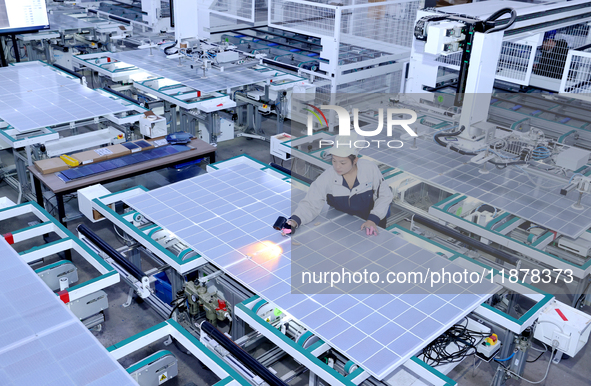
<point>309,208</point>
<point>382,198</point>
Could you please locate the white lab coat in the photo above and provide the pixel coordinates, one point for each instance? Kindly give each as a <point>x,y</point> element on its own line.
<point>370,199</point>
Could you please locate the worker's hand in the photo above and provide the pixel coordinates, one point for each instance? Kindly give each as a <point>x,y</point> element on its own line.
<point>293,224</point>
<point>370,228</point>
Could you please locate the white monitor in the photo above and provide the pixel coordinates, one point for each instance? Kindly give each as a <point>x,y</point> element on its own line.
<point>17,16</point>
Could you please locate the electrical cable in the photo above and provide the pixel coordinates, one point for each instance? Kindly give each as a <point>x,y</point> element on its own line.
<point>465,340</point>
<point>177,305</point>
<point>126,239</point>
<point>539,356</point>
<point>550,322</point>
<point>506,359</point>
<point>545,375</point>
<point>498,14</point>
<point>573,176</point>
<point>539,350</point>
<point>169,47</point>
<point>454,134</point>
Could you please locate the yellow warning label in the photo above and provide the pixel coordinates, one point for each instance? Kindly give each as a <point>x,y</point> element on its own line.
<point>162,378</point>
<point>268,320</point>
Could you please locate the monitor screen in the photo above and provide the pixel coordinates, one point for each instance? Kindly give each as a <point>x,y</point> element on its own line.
<point>17,16</point>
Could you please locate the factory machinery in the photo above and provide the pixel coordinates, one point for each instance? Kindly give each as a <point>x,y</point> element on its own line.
<point>504,194</point>
<point>217,312</point>
<point>213,69</point>
<point>499,152</point>
<point>312,47</point>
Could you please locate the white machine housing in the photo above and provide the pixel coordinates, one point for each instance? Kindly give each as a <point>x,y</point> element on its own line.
<point>153,126</point>
<point>277,149</point>
<point>570,335</point>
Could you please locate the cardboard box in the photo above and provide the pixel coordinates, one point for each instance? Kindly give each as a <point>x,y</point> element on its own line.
<point>51,165</point>
<point>88,157</point>
<point>117,151</point>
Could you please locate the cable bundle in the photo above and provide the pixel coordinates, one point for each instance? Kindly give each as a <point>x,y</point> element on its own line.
<point>453,346</point>
<point>541,152</point>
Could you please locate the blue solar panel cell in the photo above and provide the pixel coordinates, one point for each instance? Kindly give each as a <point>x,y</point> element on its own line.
<point>143,144</point>
<point>72,174</point>
<point>130,145</point>
<point>132,159</point>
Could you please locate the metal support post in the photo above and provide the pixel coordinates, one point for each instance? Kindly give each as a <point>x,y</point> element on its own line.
<point>258,121</point>
<point>135,258</point>
<point>505,351</point>
<point>250,118</point>
<point>173,125</point>
<point>176,281</point>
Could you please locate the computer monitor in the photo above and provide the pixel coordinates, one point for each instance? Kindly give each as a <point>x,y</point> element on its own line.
<point>18,16</point>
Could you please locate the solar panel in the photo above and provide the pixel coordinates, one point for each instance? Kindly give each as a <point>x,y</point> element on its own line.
<point>40,339</point>
<point>192,77</point>
<point>513,189</point>
<point>34,96</point>
<point>227,217</point>
<point>132,159</point>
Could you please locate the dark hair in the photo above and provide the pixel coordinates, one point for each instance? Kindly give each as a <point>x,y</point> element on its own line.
<point>352,157</point>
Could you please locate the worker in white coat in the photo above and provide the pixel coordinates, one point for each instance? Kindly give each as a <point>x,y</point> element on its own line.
<point>353,185</point>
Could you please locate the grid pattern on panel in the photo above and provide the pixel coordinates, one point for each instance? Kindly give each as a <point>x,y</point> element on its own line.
<point>169,68</point>
<point>512,189</point>
<point>34,96</point>
<point>227,215</point>
<point>383,330</point>
<point>41,339</point>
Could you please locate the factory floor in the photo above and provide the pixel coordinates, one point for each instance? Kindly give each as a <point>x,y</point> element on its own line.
<point>122,322</point>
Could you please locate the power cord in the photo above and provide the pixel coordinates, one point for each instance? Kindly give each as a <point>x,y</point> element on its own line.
<point>545,375</point>
<point>460,337</point>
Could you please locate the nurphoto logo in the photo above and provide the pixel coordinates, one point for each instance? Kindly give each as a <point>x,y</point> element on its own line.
<point>345,126</point>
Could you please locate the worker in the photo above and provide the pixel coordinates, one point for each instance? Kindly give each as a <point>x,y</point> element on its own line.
<point>354,186</point>
<point>553,56</point>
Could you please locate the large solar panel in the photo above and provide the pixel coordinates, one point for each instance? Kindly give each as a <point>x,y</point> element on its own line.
<point>192,77</point>
<point>227,217</point>
<point>513,189</point>
<point>33,96</point>
<point>41,340</point>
